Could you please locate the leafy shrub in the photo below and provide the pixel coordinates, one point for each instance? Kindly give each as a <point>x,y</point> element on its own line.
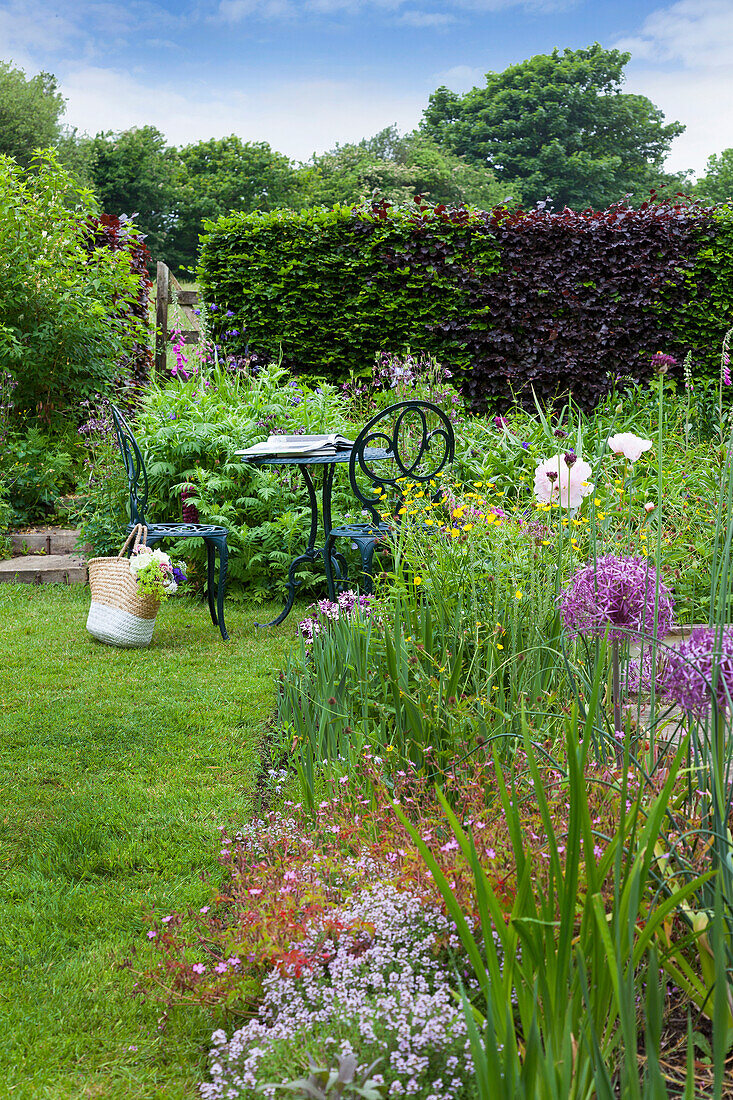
<point>508,301</point>
<point>38,472</point>
<point>67,303</point>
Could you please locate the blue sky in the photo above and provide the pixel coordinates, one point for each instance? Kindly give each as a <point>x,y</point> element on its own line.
<point>306,74</point>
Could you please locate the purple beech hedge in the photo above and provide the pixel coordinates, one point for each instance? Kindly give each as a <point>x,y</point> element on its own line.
<point>510,300</point>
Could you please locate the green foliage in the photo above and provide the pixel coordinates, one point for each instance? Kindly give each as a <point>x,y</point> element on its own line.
<point>134,172</point>
<point>700,321</point>
<point>339,1079</point>
<point>60,301</point>
<point>398,168</point>
<point>559,125</point>
<point>219,176</point>
<point>333,288</point>
<point>558,1006</point>
<point>717,183</point>
<point>506,300</point>
<point>37,471</point>
<point>29,113</point>
<point>6,546</point>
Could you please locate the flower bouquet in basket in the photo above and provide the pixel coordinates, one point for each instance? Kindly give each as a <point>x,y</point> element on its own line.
<point>156,574</point>
<point>126,594</point>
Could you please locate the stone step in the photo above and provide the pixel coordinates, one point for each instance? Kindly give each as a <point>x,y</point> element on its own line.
<point>46,569</point>
<point>45,540</point>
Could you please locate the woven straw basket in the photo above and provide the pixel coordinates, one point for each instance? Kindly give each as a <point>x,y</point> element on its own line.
<point>118,616</point>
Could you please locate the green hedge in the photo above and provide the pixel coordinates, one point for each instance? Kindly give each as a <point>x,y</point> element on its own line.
<point>707,313</point>
<point>334,287</point>
<point>508,300</point>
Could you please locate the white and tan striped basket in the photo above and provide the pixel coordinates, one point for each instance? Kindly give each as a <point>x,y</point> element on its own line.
<point>118,615</point>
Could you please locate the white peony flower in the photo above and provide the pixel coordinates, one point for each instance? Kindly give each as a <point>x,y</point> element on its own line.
<point>629,445</point>
<point>558,481</point>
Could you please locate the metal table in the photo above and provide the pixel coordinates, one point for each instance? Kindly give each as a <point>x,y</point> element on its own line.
<point>313,552</point>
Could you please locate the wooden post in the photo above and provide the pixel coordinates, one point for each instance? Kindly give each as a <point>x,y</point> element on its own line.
<point>162,298</point>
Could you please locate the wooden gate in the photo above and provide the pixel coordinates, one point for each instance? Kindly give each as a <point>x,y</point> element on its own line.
<point>166,286</point>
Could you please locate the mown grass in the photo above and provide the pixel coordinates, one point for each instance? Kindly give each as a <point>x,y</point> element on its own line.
<point>116,768</point>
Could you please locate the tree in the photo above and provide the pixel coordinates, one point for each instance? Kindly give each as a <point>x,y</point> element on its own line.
<point>398,168</point>
<point>229,175</point>
<point>29,113</point>
<point>135,172</point>
<point>717,183</point>
<point>559,125</point>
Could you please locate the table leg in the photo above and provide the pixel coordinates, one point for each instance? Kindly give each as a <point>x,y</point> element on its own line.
<point>310,553</point>
<point>334,564</point>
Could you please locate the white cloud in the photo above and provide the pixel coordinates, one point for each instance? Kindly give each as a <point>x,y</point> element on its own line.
<point>701,100</point>
<point>27,28</point>
<point>413,18</point>
<point>235,11</point>
<point>695,32</point>
<point>296,118</point>
<point>681,59</point>
<point>460,78</point>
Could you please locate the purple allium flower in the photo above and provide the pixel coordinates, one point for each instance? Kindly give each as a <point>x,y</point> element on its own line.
<point>640,671</point>
<point>616,593</point>
<point>661,362</point>
<point>691,665</point>
<point>499,422</point>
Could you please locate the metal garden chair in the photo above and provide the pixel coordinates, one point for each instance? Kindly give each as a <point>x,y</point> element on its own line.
<point>214,537</point>
<point>421,443</point>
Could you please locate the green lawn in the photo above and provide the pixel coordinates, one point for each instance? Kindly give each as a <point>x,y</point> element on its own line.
<point>116,766</point>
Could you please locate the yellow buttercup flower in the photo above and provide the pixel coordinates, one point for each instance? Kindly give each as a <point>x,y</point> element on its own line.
<point>518,595</point>
<point>417,580</point>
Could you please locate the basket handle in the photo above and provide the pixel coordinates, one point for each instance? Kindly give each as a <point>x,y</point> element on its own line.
<point>138,531</point>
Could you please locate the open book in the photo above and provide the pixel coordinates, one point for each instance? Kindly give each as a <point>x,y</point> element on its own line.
<point>293,446</point>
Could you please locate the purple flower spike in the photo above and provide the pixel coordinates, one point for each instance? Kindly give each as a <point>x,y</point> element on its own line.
<point>690,665</point>
<point>616,594</point>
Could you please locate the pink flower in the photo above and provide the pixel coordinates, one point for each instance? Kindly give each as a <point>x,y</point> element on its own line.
<point>556,480</point>
<point>629,445</point>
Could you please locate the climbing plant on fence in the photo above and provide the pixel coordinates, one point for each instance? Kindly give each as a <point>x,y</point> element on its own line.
<point>510,301</point>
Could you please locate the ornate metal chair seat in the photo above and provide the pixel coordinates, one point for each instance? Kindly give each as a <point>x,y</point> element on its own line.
<point>420,440</point>
<point>214,537</point>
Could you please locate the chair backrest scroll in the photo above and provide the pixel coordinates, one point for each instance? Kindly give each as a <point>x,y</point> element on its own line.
<point>137,477</point>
